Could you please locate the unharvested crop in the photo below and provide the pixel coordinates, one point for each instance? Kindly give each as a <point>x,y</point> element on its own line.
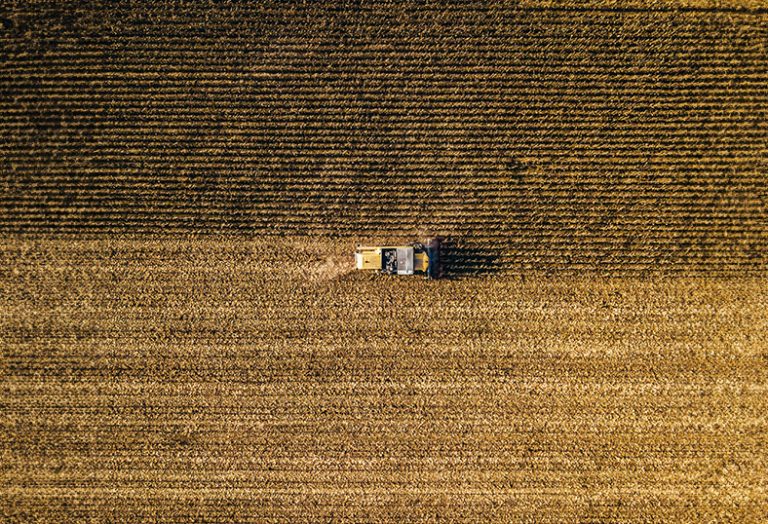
<point>616,137</point>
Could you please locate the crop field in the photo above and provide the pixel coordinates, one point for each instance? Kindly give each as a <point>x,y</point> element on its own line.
<point>188,380</point>
<point>183,336</point>
<point>612,136</point>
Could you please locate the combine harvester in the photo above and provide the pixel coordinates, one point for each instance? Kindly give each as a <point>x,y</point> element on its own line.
<point>402,260</point>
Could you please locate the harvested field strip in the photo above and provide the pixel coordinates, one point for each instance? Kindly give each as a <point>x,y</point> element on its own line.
<point>221,380</point>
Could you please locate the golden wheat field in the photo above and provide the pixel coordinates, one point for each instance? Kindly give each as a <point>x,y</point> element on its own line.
<point>184,337</point>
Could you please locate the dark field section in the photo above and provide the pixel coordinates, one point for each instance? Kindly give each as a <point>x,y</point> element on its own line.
<point>600,137</point>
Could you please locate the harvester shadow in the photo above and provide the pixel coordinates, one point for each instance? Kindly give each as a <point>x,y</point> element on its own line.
<point>460,258</point>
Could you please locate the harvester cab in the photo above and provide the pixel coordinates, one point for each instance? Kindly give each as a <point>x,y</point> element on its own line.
<point>415,258</point>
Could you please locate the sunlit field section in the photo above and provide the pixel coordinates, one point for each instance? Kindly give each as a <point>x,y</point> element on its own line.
<point>179,380</point>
